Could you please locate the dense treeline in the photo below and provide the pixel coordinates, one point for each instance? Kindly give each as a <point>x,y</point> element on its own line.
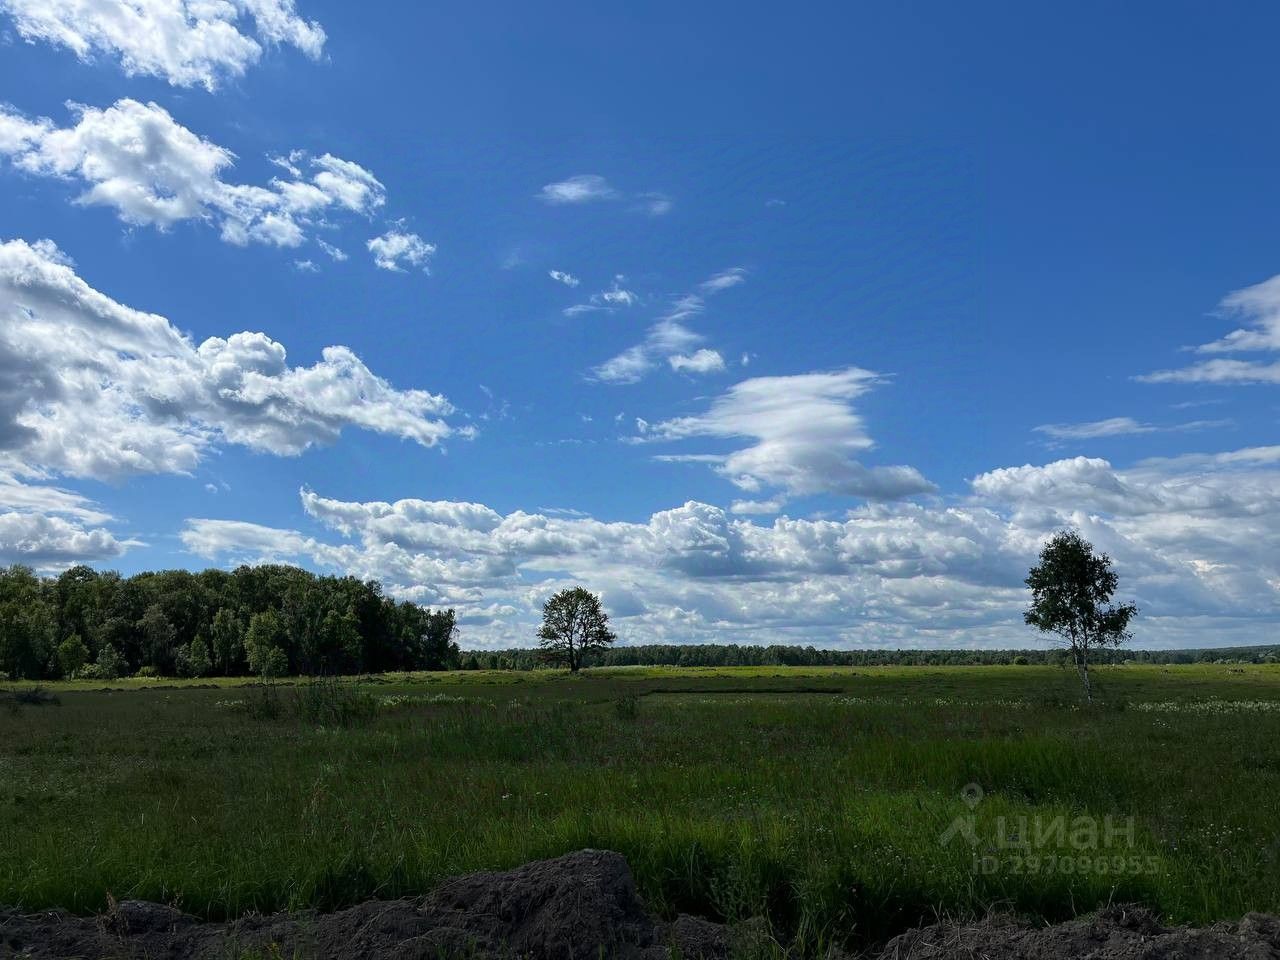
<point>266,620</point>
<point>733,655</point>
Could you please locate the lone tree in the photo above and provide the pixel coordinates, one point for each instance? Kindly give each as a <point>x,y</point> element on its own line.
<point>1071,590</point>
<point>573,624</point>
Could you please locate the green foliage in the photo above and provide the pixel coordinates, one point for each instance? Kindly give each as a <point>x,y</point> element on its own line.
<point>198,662</point>
<point>28,625</point>
<point>330,625</point>
<point>574,624</point>
<point>35,697</point>
<point>72,654</point>
<point>109,666</point>
<point>1071,590</point>
<point>262,701</point>
<point>744,795</point>
<point>328,702</point>
<point>263,644</point>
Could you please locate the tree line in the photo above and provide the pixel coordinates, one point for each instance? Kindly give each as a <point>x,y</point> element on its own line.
<point>735,655</point>
<point>269,620</point>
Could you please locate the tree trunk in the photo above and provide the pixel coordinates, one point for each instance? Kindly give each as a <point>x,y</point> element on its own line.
<point>1082,664</point>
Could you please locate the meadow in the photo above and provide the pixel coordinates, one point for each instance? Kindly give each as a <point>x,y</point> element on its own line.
<point>839,803</point>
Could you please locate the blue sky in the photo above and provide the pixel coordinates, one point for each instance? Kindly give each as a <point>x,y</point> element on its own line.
<point>802,327</point>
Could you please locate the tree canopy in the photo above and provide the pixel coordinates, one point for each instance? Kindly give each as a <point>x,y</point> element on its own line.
<point>573,624</point>
<point>1071,590</point>
<point>270,619</point>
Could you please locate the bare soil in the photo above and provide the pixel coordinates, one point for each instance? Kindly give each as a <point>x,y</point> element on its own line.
<point>582,906</point>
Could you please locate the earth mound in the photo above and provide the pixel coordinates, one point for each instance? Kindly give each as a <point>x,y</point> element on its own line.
<point>582,906</point>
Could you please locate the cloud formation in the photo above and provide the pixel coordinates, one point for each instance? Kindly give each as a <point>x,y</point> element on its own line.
<point>593,188</point>
<point>583,188</point>
<point>186,42</point>
<point>135,159</point>
<point>1118,427</point>
<point>1259,307</point>
<point>671,339</point>
<point>806,437</point>
<point>92,388</point>
<point>1194,538</point>
<point>396,248</point>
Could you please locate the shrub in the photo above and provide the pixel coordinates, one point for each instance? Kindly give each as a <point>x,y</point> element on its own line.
<point>147,673</point>
<point>628,708</point>
<point>327,702</point>
<point>262,702</point>
<point>110,666</point>
<point>72,655</point>
<point>35,697</point>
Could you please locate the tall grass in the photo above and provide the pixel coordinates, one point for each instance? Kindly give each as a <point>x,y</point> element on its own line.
<point>822,812</point>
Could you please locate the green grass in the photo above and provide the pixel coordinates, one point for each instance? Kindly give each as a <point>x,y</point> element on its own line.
<point>816,797</point>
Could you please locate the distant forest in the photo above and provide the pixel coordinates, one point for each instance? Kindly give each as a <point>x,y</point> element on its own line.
<point>733,655</point>
<point>266,620</point>
<point>276,620</point>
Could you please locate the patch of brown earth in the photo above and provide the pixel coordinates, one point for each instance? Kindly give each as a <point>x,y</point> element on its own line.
<point>582,906</point>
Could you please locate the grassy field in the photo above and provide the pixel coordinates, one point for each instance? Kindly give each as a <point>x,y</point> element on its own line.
<point>821,798</point>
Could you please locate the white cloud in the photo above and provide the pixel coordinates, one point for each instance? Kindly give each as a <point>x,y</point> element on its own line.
<point>806,435</point>
<point>560,276</point>
<point>1120,427</point>
<point>605,300</point>
<point>742,507</point>
<point>92,388</point>
<point>396,247</point>
<point>702,361</point>
<point>669,338</point>
<point>1196,541</point>
<point>305,266</point>
<point>724,280</point>
<point>1113,427</point>
<point>655,204</point>
<point>1259,307</point>
<point>593,188</point>
<point>50,528</point>
<point>584,188</point>
<point>334,253</point>
<point>186,42</point>
<point>137,160</point>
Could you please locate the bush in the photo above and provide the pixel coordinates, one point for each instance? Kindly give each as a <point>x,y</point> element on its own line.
<point>72,655</point>
<point>262,702</point>
<point>147,673</point>
<point>327,702</point>
<point>35,697</point>
<point>110,666</point>
<point>628,708</point>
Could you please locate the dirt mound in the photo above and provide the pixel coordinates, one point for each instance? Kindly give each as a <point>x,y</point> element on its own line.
<point>577,907</point>
<point>582,906</point>
<point>1117,933</point>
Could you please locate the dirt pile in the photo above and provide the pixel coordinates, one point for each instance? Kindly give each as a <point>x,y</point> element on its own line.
<point>582,906</point>
<point>1117,933</point>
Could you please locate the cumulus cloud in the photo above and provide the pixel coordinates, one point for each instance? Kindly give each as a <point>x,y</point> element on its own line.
<point>1194,538</point>
<point>396,248</point>
<point>1259,307</point>
<point>806,435</point>
<point>702,361</point>
<point>49,528</point>
<point>90,387</point>
<point>186,42</point>
<point>135,159</point>
<point>560,276</point>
